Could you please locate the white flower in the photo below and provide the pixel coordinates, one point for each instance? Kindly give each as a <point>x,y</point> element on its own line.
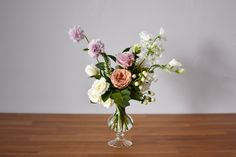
<point>100,86</point>
<point>93,96</point>
<point>175,63</point>
<point>91,70</point>
<point>144,36</point>
<point>146,86</point>
<point>151,49</point>
<point>147,83</point>
<point>162,34</point>
<point>175,66</point>
<point>142,62</point>
<point>108,103</point>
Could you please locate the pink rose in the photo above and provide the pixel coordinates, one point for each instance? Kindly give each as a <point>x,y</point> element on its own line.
<point>76,34</point>
<point>125,59</point>
<point>121,78</point>
<point>96,47</point>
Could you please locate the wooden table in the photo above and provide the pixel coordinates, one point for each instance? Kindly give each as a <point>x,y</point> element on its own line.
<point>43,135</point>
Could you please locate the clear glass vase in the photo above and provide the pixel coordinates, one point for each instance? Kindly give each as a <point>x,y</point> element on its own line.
<point>120,122</point>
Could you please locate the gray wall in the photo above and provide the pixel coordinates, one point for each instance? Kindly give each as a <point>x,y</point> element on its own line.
<point>42,71</point>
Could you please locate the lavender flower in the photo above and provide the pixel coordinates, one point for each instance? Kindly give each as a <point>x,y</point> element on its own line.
<point>76,33</point>
<point>125,59</point>
<point>96,47</point>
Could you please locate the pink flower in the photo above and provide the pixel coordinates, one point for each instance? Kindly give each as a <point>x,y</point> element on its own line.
<point>76,34</point>
<point>121,78</point>
<point>125,59</point>
<point>96,47</point>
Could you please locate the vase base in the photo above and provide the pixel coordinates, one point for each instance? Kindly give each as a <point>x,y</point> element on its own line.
<point>120,143</point>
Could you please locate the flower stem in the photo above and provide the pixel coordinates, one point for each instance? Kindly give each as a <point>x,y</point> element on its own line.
<point>86,38</point>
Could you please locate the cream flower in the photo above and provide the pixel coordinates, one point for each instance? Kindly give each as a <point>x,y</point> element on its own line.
<point>175,63</point>
<point>144,36</point>
<point>100,86</point>
<point>91,70</point>
<point>93,96</point>
<point>108,103</point>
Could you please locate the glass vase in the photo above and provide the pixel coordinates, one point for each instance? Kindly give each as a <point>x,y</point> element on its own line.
<point>120,123</point>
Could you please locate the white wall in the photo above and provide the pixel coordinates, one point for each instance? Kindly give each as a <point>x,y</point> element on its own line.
<point>42,71</point>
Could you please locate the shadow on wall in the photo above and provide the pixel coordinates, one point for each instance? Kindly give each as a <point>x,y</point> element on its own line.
<point>210,82</point>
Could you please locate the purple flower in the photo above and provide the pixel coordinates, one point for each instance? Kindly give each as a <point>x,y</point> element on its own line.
<point>125,59</point>
<point>76,34</point>
<point>96,47</point>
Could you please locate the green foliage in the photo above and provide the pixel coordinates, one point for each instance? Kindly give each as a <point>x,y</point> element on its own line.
<point>96,76</point>
<point>106,95</point>
<point>127,49</point>
<point>107,65</point>
<point>121,98</point>
<point>125,92</point>
<point>126,99</point>
<point>101,65</point>
<point>135,94</point>
<point>85,49</point>
<point>112,57</point>
<point>117,97</point>
<point>162,67</point>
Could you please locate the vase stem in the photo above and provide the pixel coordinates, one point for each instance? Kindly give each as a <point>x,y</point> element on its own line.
<point>119,135</point>
<point>120,122</point>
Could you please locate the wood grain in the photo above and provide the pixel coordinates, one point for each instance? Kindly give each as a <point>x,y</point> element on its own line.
<point>45,135</point>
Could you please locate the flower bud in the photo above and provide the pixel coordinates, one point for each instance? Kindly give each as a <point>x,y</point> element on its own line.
<point>152,94</point>
<point>144,72</point>
<point>140,87</point>
<point>145,102</point>
<point>180,71</point>
<point>136,83</point>
<point>91,70</point>
<point>134,76</point>
<point>153,99</point>
<point>136,48</point>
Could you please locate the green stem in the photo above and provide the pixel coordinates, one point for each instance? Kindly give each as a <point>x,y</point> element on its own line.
<point>86,38</point>
<point>155,39</point>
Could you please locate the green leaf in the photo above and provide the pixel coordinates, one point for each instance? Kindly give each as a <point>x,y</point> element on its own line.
<point>112,57</point>
<point>96,77</point>
<point>125,92</point>
<point>126,100</point>
<point>136,95</point>
<point>117,97</point>
<point>85,49</point>
<point>101,65</point>
<point>106,96</point>
<point>127,49</point>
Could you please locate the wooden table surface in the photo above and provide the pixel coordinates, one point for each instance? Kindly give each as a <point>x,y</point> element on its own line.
<point>44,135</point>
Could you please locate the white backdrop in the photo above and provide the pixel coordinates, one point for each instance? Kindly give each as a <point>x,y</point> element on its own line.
<point>42,71</point>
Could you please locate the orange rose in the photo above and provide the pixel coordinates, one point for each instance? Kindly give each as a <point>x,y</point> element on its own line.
<point>121,78</point>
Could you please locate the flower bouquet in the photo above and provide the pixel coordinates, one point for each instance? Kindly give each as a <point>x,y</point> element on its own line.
<point>129,79</point>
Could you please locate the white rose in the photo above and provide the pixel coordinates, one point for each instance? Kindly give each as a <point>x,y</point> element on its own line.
<point>100,86</point>
<point>108,103</point>
<point>91,70</point>
<point>175,63</point>
<point>93,96</point>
